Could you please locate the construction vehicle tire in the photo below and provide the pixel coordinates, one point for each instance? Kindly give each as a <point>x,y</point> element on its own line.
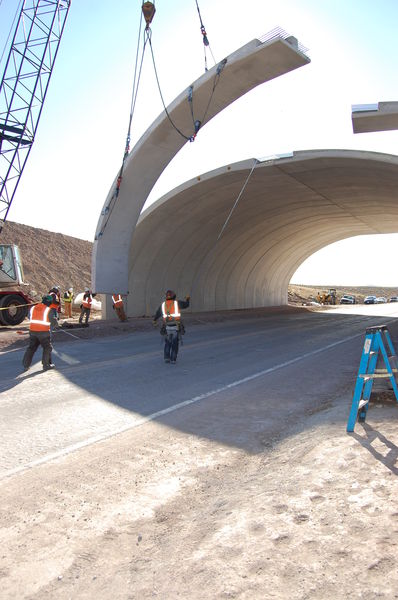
<point>15,313</point>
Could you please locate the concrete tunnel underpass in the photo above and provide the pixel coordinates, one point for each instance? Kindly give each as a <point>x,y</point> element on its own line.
<point>291,207</point>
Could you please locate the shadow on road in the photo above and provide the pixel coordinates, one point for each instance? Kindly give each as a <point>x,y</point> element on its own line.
<point>230,414</point>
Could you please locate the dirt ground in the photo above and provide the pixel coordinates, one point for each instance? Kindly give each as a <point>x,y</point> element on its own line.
<point>157,513</point>
<point>307,512</point>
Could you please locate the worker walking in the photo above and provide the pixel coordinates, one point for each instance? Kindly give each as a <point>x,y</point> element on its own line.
<point>172,327</point>
<point>117,303</point>
<point>68,301</point>
<point>42,318</point>
<point>86,306</point>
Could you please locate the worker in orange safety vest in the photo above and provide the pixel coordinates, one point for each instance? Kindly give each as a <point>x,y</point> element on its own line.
<point>172,327</point>
<point>55,294</point>
<point>86,306</point>
<point>42,319</point>
<point>117,305</point>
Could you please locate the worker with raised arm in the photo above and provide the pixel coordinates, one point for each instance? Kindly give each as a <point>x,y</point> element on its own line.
<point>43,318</point>
<point>117,303</point>
<point>55,294</point>
<point>172,327</point>
<point>86,306</point>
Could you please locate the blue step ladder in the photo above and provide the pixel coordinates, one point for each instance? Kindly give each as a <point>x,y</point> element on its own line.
<point>377,343</point>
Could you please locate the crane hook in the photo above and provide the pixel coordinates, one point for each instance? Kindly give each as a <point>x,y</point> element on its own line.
<point>148,10</point>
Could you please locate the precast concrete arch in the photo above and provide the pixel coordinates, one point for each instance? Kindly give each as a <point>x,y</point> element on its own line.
<point>290,208</point>
<point>255,63</point>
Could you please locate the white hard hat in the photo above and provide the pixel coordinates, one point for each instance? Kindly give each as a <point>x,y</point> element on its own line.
<point>86,289</point>
<point>70,290</point>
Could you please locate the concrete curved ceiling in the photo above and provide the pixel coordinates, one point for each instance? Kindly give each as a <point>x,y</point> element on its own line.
<point>290,208</point>
<point>253,64</point>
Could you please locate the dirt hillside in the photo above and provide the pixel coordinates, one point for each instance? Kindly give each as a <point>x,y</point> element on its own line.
<point>55,259</point>
<point>50,258</point>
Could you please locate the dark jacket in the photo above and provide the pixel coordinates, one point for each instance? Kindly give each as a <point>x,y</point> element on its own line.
<point>181,304</point>
<point>56,303</point>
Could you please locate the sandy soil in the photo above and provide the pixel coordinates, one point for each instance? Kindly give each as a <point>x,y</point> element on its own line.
<point>49,258</point>
<point>309,513</point>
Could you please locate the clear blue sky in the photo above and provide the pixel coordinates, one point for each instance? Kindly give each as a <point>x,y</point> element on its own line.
<point>80,140</point>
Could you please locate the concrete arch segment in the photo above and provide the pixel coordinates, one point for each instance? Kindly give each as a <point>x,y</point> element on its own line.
<point>290,208</point>
<point>248,67</point>
<point>382,116</point>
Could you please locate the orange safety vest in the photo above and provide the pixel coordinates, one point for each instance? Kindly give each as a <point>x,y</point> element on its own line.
<point>117,300</point>
<point>56,303</point>
<point>87,301</point>
<point>39,318</point>
<point>171,311</point>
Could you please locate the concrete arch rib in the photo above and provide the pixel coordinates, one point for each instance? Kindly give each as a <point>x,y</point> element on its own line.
<point>248,67</point>
<point>291,208</point>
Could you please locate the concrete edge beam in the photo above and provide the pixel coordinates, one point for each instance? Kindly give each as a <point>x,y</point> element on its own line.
<point>382,116</point>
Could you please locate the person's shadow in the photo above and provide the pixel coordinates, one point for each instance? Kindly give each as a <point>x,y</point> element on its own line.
<point>8,384</point>
<point>389,459</point>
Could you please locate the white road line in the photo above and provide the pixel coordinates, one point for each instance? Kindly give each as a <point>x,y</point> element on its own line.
<point>66,358</point>
<point>173,408</point>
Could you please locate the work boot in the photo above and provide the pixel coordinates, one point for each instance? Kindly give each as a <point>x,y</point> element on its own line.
<point>48,367</point>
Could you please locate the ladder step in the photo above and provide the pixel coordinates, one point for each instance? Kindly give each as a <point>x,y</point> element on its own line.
<point>367,376</point>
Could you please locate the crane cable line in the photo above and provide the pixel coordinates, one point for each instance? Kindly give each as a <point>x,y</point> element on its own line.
<point>135,88</point>
<point>206,43</point>
<point>198,123</point>
<point>107,211</point>
<point>255,163</point>
<point>186,137</point>
<point>148,12</point>
<point>224,226</point>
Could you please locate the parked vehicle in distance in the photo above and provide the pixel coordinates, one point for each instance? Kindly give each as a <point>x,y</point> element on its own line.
<point>370,300</point>
<point>380,300</point>
<point>347,299</point>
<point>393,299</point>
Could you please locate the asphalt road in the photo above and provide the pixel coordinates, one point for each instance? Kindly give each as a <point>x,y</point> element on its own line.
<point>101,387</point>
